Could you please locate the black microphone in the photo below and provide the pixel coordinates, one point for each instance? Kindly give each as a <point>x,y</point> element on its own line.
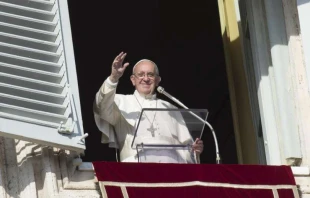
<point>162,91</point>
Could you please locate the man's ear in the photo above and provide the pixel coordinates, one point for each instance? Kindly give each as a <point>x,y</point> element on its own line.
<point>132,78</point>
<point>158,79</point>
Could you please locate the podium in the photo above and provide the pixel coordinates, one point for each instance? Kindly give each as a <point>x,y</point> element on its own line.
<point>167,135</point>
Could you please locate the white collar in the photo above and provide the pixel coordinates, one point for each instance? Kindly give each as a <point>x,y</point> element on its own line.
<point>142,97</point>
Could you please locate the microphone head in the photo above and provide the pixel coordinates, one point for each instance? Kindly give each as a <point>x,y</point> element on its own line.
<point>160,89</point>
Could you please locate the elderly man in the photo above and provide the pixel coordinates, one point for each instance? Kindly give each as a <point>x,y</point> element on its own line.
<point>116,116</point>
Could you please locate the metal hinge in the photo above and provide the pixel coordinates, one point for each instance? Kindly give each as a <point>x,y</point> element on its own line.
<point>68,127</point>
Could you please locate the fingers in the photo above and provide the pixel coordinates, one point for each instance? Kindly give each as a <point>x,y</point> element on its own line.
<point>118,61</point>
<point>198,149</point>
<point>198,141</point>
<point>117,67</point>
<point>198,146</point>
<point>120,57</point>
<point>123,55</point>
<point>125,65</point>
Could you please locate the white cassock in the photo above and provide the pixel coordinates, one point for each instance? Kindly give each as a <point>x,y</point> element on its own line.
<point>116,116</point>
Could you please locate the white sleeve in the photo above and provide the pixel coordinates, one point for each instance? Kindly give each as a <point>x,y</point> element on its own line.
<point>105,106</point>
<point>106,112</point>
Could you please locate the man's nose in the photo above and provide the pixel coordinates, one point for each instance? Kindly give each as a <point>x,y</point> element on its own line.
<point>146,78</point>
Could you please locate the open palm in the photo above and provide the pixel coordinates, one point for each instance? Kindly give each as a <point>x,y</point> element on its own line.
<point>118,67</point>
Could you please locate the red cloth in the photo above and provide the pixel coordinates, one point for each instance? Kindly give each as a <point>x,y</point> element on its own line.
<point>194,180</point>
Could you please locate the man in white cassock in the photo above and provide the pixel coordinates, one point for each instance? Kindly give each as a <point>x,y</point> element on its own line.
<point>116,116</point>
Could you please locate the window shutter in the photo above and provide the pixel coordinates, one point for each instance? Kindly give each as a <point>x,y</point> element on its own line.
<point>39,99</point>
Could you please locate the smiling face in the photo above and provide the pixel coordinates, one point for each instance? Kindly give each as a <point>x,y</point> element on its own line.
<point>145,78</point>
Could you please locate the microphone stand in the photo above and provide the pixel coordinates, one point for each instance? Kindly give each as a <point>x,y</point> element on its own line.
<point>217,152</point>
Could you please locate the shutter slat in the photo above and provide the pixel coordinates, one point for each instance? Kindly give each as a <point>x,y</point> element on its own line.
<point>27,12</point>
<point>28,120</point>
<point>32,93</point>
<point>33,104</point>
<point>37,4</point>
<point>31,83</point>
<point>28,32</point>
<point>27,22</point>
<point>29,52</point>
<point>34,114</point>
<point>32,73</point>
<point>29,42</point>
<point>30,63</point>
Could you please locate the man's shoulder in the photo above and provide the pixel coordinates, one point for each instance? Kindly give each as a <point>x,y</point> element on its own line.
<point>124,95</point>
<point>167,104</point>
<point>120,98</point>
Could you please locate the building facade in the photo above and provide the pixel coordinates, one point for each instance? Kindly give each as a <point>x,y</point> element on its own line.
<point>267,52</point>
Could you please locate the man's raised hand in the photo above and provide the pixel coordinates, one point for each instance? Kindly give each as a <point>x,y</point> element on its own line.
<point>118,68</point>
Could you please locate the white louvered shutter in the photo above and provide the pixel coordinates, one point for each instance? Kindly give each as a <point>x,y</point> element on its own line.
<point>39,99</point>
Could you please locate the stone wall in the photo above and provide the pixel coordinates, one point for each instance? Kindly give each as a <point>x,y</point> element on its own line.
<point>29,170</point>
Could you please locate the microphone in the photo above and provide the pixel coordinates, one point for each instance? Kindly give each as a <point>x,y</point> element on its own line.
<point>217,152</point>
<point>162,91</point>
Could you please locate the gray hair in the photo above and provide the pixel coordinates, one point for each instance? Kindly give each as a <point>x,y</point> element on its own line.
<point>156,68</point>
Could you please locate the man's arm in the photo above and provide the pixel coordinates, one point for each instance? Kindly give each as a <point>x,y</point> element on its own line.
<point>104,105</point>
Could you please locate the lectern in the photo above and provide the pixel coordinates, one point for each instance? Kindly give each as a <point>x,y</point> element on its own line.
<point>166,135</point>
